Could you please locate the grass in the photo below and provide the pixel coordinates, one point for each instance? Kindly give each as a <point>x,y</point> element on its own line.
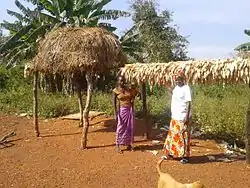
<point>218,111</point>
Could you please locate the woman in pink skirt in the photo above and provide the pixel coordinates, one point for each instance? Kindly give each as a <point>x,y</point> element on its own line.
<point>124,113</point>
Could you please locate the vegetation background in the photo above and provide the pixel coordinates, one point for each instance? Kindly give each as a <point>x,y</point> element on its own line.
<point>218,111</point>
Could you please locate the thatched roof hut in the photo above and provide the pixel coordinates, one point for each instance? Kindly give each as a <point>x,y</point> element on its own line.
<point>77,52</point>
<point>196,71</point>
<point>70,50</point>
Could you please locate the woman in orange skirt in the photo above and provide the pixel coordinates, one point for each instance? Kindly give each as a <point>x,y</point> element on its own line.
<point>177,143</point>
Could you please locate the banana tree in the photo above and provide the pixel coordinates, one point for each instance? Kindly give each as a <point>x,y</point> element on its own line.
<point>24,32</point>
<point>131,45</point>
<point>30,25</point>
<point>80,12</point>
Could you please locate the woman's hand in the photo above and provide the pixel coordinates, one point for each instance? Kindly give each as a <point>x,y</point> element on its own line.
<point>170,89</point>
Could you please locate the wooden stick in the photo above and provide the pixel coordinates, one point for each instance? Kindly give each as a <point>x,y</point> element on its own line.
<point>35,105</point>
<point>4,138</point>
<point>145,110</point>
<point>79,94</point>
<point>248,135</point>
<point>89,79</point>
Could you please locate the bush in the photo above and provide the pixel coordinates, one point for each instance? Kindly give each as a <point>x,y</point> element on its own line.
<point>220,112</point>
<point>3,78</point>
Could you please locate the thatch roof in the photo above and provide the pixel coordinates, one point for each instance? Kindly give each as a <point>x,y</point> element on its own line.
<point>70,50</point>
<point>200,72</point>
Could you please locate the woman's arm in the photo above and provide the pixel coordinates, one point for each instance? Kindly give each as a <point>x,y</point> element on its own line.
<point>114,104</point>
<point>170,90</point>
<point>188,99</point>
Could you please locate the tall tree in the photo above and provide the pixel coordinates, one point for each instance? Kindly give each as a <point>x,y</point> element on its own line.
<point>155,36</point>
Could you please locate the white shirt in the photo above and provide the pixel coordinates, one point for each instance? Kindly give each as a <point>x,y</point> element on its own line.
<point>180,96</point>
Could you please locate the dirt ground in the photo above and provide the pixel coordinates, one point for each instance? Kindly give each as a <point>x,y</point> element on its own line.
<point>55,159</point>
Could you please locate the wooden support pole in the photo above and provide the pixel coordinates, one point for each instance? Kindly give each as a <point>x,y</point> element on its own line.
<point>79,94</point>
<point>248,135</point>
<point>145,109</point>
<point>35,104</point>
<point>89,79</point>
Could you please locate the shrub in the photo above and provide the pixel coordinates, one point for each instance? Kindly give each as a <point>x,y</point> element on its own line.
<point>220,112</point>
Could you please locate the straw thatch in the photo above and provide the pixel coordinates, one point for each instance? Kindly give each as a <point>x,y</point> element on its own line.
<point>197,72</point>
<point>71,50</point>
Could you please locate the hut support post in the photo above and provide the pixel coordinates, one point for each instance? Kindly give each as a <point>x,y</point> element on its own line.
<point>145,110</point>
<point>35,104</point>
<point>89,79</point>
<point>248,134</point>
<point>79,94</point>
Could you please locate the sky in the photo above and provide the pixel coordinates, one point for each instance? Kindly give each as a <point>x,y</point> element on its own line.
<point>214,27</point>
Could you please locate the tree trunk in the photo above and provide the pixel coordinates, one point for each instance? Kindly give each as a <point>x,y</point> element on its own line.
<point>145,110</point>
<point>79,94</point>
<point>89,79</point>
<point>35,105</point>
<point>248,135</point>
<point>59,82</point>
<point>52,83</point>
<point>68,85</point>
<point>42,83</point>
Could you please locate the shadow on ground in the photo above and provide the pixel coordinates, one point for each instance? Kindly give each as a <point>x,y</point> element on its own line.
<point>109,125</point>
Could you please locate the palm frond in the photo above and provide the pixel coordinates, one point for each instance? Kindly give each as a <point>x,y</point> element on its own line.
<point>11,42</point>
<point>19,16</point>
<point>101,4</point>
<point>40,31</point>
<point>45,18</point>
<point>82,4</point>
<point>107,26</point>
<point>34,2</point>
<point>12,27</point>
<point>60,5</point>
<point>243,47</point>
<point>23,9</point>
<point>110,14</point>
<point>48,6</point>
<point>247,32</point>
<point>69,8</point>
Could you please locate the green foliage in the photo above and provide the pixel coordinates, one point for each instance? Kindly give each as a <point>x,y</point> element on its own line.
<point>3,78</point>
<point>218,111</point>
<point>24,32</point>
<point>30,25</point>
<point>102,102</point>
<point>156,37</point>
<point>245,46</point>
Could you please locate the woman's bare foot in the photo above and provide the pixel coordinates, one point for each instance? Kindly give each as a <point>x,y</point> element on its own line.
<point>118,150</point>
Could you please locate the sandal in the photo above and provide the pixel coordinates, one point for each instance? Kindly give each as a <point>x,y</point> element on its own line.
<point>184,161</point>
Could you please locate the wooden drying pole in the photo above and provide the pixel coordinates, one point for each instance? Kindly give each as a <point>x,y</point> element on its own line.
<point>247,132</point>
<point>145,109</point>
<point>89,79</point>
<point>35,104</point>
